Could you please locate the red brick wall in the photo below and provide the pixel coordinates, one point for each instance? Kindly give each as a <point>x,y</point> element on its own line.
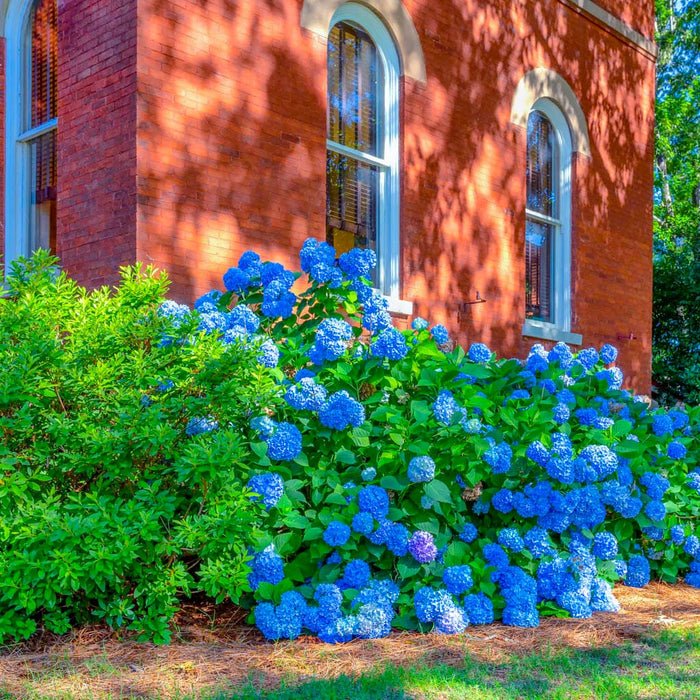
<point>231,134</point>
<point>639,14</point>
<point>97,137</point>
<point>2,153</point>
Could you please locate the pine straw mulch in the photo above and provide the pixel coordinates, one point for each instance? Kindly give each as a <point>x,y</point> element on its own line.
<point>217,654</point>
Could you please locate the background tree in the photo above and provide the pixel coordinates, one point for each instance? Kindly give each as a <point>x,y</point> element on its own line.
<point>676,316</point>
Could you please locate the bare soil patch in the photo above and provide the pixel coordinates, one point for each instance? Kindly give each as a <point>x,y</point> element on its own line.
<point>216,652</point>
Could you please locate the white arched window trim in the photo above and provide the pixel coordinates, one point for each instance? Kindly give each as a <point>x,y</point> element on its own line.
<point>560,327</point>
<point>388,215</point>
<point>17,138</point>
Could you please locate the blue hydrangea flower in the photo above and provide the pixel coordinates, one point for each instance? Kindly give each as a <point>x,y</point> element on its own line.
<point>440,334</point>
<point>419,324</point>
<point>236,280</point>
<point>332,335</point>
<point>677,533</point>
<point>479,609</point>
<point>244,317</point>
<point>495,556</point>
<point>503,501</point>
<point>358,262</point>
<point>264,425</point>
<point>268,354</point>
<point>390,344</point>
<point>662,425</point>
<point>368,473</point>
<point>266,621</point>
<point>478,352</point>
<point>340,410</point>
<point>602,597</point>
<point>373,621</point>
<point>446,408</point>
<point>267,567</point>
<point>566,396</point>
<point>510,539</point>
<point>396,539</point>
<point>211,298</point>
<point>676,450</point>
<point>605,545</point>
<point>363,523</point>
<point>656,510</point>
<point>655,484</point>
<point>250,262</point>
<point>284,443</point>
<point>536,362</point>
<point>451,621</point>
<point>215,321</point>
<point>356,574</point>
<point>376,316</point>
<point>422,547</point>
<point>679,419</point>
<point>588,357</point>
<point>608,354</point>
<point>537,542</point>
<point>306,395</point>
<point>562,354</point>
<point>201,425</point>
<point>693,480</point>
<point>421,469</point>
<point>561,469</point>
<point>469,533</point>
<point>653,533</point>
<point>538,453</point>
<point>429,603</point>
<point>374,500</point>
<point>336,534</point>
<point>637,571</point>
<point>692,546</point>
<point>602,460</point>
<point>458,579</point>
<point>317,259</point>
<point>498,457</point>
<point>269,486</point>
<point>561,413</point>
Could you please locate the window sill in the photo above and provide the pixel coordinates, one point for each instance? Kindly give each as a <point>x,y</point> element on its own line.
<point>399,306</point>
<point>548,331</point>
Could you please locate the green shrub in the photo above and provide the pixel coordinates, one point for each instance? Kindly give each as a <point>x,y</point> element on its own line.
<point>114,499</point>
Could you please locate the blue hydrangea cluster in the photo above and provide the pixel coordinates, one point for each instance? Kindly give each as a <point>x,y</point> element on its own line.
<point>340,410</point>
<point>440,334</point>
<point>421,469</point>
<point>478,352</point>
<point>318,261</point>
<point>498,456</point>
<point>269,486</point>
<point>201,425</point>
<point>336,534</point>
<point>358,263</point>
<point>447,410</point>
<point>332,336</point>
<point>306,395</point>
<point>284,442</point>
<point>389,343</point>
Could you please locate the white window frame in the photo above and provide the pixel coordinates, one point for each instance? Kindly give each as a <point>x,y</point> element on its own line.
<point>388,190</point>
<point>17,137</point>
<point>559,328</point>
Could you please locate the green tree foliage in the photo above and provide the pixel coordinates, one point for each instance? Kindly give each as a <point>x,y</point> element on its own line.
<point>113,504</point>
<point>676,317</point>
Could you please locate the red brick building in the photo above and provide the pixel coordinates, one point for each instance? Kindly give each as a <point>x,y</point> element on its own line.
<point>489,149</point>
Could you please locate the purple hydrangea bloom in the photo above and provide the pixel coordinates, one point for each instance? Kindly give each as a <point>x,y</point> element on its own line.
<point>422,547</point>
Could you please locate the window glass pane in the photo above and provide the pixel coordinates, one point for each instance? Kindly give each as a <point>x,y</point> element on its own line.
<point>42,220</point>
<point>43,61</point>
<point>538,271</point>
<point>354,76</point>
<point>351,206</point>
<point>541,178</point>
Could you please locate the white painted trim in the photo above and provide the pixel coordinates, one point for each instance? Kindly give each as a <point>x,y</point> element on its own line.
<point>545,83</point>
<point>17,154</point>
<point>616,24</point>
<point>320,15</point>
<point>388,223</point>
<point>400,306</point>
<point>548,331</point>
<point>561,243</point>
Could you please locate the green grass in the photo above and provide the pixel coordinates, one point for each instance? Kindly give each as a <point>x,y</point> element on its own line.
<point>665,665</point>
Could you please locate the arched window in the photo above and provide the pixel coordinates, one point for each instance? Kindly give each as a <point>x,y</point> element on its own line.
<point>362,174</point>
<point>32,124</point>
<point>548,219</point>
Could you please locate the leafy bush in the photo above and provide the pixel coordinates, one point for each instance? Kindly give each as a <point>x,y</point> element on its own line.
<point>428,486</point>
<point>117,495</point>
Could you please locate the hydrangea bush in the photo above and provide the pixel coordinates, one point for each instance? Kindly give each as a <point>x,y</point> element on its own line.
<point>429,488</point>
<point>283,444</point>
